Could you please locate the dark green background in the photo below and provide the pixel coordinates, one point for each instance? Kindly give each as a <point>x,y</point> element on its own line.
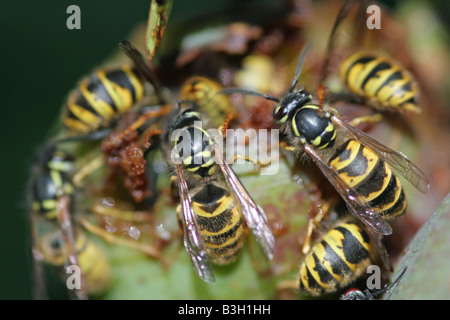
<point>41,61</point>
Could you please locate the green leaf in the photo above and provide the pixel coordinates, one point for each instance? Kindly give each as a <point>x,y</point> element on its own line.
<point>427,258</point>
<point>156,25</point>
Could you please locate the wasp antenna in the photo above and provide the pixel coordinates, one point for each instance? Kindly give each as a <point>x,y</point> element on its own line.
<point>138,60</point>
<point>248,92</point>
<point>396,281</point>
<point>299,66</point>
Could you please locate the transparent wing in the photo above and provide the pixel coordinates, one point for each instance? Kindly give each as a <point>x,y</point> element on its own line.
<point>381,249</point>
<point>397,160</point>
<point>140,63</point>
<point>193,241</point>
<point>253,214</point>
<point>361,210</point>
<point>68,238</point>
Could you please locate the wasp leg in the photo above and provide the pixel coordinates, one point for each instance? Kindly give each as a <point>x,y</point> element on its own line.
<point>249,159</point>
<point>287,147</point>
<point>149,114</point>
<point>149,134</point>
<point>312,225</point>
<point>224,126</point>
<point>255,162</point>
<point>86,170</point>
<point>143,247</point>
<point>287,285</point>
<point>373,118</point>
<point>261,266</point>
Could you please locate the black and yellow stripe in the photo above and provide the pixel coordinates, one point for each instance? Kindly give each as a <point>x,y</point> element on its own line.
<point>101,97</point>
<point>204,92</point>
<point>220,223</point>
<point>364,171</point>
<point>380,81</point>
<point>337,260</point>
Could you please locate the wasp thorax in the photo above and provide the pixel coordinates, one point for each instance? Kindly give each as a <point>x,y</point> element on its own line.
<point>290,103</point>
<point>193,148</point>
<point>314,126</point>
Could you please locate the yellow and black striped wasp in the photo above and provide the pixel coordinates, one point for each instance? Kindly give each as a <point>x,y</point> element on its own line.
<point>93,106</point>
<point>340,257</point>
<point>213,199</point>
<point>212,202</point>
<point>57,238</point>
<point>205,93</point>
<point>380,81</point>
<point>371,77</point>
<point>93,265</point>
<point>108,100</point>
<point>101,97</point>
<point>359,167</point>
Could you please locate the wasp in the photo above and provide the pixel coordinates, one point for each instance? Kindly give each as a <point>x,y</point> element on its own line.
<point>356,294</point>
<point>205,94</point>
<point>101,97</point>
<point>359,167</point>
<point>340,256</point>
<point>213,199</point>
<point>58,235</point>
<point>380,81</point>
<point>372,78</point>
<point>338,259</point>
<point>92,262</point>
<point>105,103</point>
<point>52,197</point>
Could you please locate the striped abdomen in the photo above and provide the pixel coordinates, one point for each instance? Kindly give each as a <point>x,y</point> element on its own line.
<point>204,92</point>
<point>100,97</point>
<point>220,223</point>
<point>383,83</point>
<point>337,260</point>
<point>361,168</point>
